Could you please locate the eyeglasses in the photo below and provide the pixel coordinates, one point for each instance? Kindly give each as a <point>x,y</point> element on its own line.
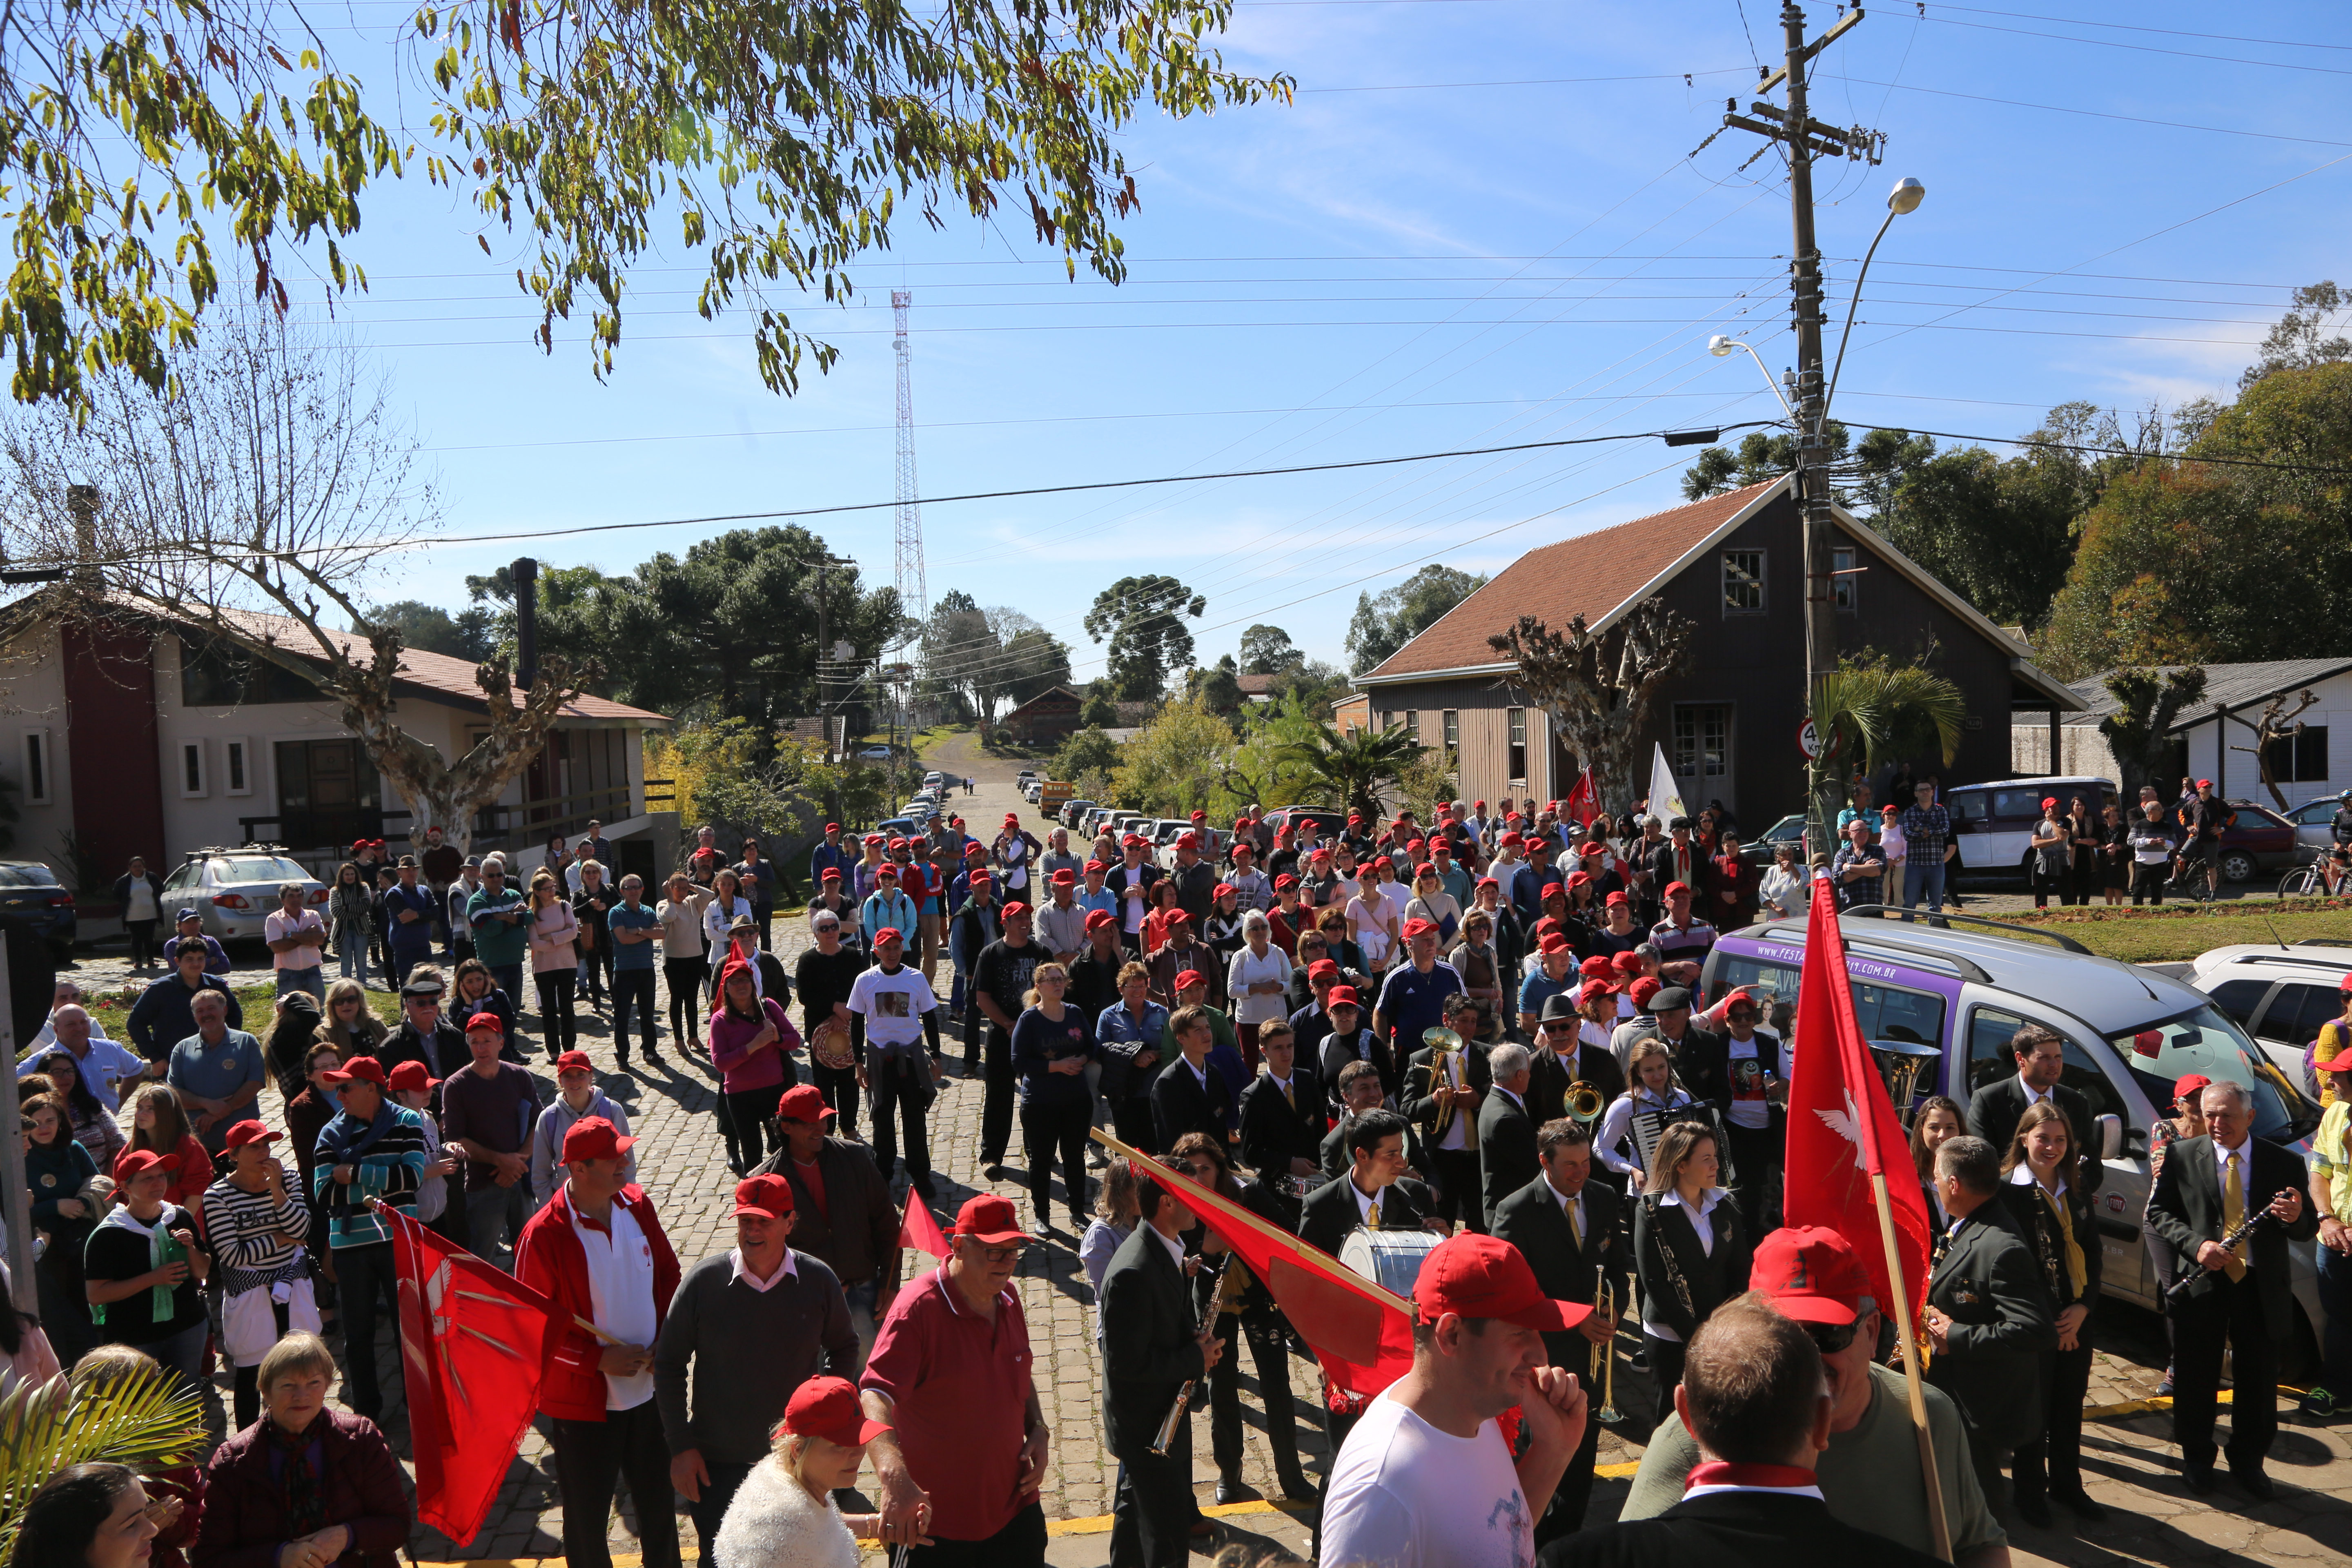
<point>1559,1026</point>
<point>1831,1338</point>
<point>1001,1254</point>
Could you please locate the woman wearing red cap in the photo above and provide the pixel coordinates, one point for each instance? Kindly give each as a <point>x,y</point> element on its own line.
<point>784,1515</point>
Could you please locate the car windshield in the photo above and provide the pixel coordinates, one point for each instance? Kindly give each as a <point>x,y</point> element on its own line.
<point>261,868</point>
<point>28,877</point>
<point>2207,1042</point>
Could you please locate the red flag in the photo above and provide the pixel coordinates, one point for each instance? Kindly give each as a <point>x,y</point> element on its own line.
<point>1842,1129</point>
<point>1360,1332</point>
<point>472,1339</point>
<point>919,1228</point>
<point>1584,800</point>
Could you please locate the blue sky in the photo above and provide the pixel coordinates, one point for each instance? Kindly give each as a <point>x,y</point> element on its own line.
<point>1479,224</point>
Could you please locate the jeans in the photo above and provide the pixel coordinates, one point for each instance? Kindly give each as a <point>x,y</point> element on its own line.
<point>996,1103</point>
<point>351,956</point>
<point>1923,882</point>
<point>362,1276</point>
<point>709,1510</point>
<point>2335,1335</point>
<point>595,971</point>
<point>312,980</point>
<point>494,1214</point>
<point>590,1456</point>
<point>508,976</point>
<point>632,995</point>
<point>558,1028</point>
<point>861,1298</point>
<point>684,978</point>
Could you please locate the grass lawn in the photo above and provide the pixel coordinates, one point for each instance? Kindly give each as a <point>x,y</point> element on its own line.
<point>260,1004</point>
<point>2182,931</point>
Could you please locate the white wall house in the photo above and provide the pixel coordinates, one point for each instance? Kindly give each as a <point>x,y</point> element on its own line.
<point>2318,762</point>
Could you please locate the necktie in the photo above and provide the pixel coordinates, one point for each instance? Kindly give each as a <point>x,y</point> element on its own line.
<point>1289,1098</point>
<point>2076,1276</point>
<point>2233,1215</point>
<point>1372,1215</point>
<point>1574,1229</point>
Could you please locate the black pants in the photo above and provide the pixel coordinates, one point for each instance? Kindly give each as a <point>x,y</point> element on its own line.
<point>1665,1373</point>
<point>901,1094</point>
<point>684,978</point>
<point>596,969</point>
<point>839,1087</point>
<point>1131,1119</point>
<point>750,1111</point>
<point>558,1029</point>
<point>1268,1334</point>
<point>2231,1311</point>
<point>765,915</point>
<point>633,996</point>
<point>2148,881</point>
<point>726,1480</point>
<point>2054,1461</point>
<point>1151,1515</point>
<point>1565,1516</point>
<point>2046,883</point>
<point>590,1456</point>
<point>1458,1195</point>
<point>1048,1131</point>
<point>363,1276</point>
<point>1757,1154</point>
<point>1020,1544</point>
<point>2083,880</point>
<point>996,1108</point>
<point>142,941</point>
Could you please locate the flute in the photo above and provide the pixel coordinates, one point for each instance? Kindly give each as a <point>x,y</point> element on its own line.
<point>1183,1401</point>
<point>2196,1272</point>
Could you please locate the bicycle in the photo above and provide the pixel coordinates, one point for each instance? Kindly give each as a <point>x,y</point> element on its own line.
<point>2309,881</point>
<point>2188,881</point>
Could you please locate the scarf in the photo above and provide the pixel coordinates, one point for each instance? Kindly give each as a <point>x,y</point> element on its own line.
<point>304,1488</point>
<point>162,1248</point>
<point>2075,1275</point>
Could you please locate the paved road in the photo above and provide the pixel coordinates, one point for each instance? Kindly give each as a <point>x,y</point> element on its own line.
<point>2128,1458</point>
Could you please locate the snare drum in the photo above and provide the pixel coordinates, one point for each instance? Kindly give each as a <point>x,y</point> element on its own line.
<point>1389,1258</point>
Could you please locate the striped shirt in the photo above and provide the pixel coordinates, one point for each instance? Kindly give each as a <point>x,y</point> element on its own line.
<point>391,1170</point>
<point>248,1232</point>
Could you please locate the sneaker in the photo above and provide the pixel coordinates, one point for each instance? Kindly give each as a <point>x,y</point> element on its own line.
<point>2319,1405</point>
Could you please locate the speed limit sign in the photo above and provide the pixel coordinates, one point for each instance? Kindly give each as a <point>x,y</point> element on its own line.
<point>1809,741</point>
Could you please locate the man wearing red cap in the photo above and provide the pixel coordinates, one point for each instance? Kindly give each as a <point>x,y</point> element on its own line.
<point>1196,879</point>
<point>1426,1477</point>
<point>831,854</point>
<point>1061,924</point>
<point>978,919</point>
<point>845,1213</point>
<point>598,1252</point>
<point>953,1375</point>
<point>576,1097</point>
<point>257,1230</point>
<point>371,1149</point>
<point>1183,952</point>
<point>1682,937</point>
<point>487,1111</point>
<point>1153,1346</point>
<point>1869,1472</point>
<point>1412,993</point>
<point>1130,883</point>
<point>745,1329</point>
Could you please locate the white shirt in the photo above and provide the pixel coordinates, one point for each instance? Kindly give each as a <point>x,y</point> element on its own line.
<point>1132,909</point>
<point>717,916</point>
<point>1456,1136</point>
<point>279,925</point>
<point>784,1270</point>
<point>1617,1126</point>
<point>892,1004</point>
<point>1404,1494</point>
<point>2032,1096</point>
<point>1706,1244</point>
<point>621,1295</point>
<point>1174,1244</point>
<point>1750,1108</point>
<point>105,1069</point>
<point>1573,1208</point>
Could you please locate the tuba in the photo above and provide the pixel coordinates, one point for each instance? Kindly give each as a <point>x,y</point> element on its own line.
<point>1900,1065</point>
<point>1584,1102</point>
<point>1443,1043</point>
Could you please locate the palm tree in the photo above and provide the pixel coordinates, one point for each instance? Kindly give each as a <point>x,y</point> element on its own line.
<point>1877,713</point>
<point>142,1421</point>
<point>1349,770</point>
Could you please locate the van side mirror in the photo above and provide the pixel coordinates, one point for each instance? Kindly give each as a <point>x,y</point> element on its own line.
<point>2111,1136</point>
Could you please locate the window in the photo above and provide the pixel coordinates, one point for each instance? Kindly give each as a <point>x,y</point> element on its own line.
<point>327,793</point>
<point>1991,1060</point>
<point>237,771</point>
<point>2239,998</point>
<point>1519,745</point>
<point>192,769</point>
<point>2295,1014</point>
<point>1452,723</point>
<point>212,675</point>
<point>1843,585</point>
<point>1702,739</point>
<point>37,767</point>
<point>2299,758</point>
<point>1412,723</point>
<point>1743,582</point>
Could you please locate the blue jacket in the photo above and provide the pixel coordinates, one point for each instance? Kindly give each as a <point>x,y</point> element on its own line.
<point>162,1017</point>
<point>409,939</point>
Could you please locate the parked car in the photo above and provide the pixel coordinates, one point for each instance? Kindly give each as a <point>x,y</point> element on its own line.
<point>897,827</point>
<point>235,890</point>
<point>2280,996</point>
<point>2313,833</point>
<point>1328,824</point>
<point>30,891</point>
<point>1760,850</point>
<point>934,778</point>
<point>2261,840</point>
<point>2129,1032</point>
<point>1074,811</point>
<point>875,754</point>
<point>1030,789</point>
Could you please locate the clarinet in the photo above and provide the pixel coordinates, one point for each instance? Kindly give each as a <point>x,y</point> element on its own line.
<point>2196,1272</point>
<point>1183,1400</point>
<point>1673,1266</point>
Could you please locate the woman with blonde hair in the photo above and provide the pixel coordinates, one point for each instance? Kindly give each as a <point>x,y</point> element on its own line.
<point>347,1024</point>
<point>2043,1189</point>
<point>555,961</point>
<point>1690,1254</point>
<point>1052,1047</point>
<point>783,1516</point>
<point>1650,1069</point>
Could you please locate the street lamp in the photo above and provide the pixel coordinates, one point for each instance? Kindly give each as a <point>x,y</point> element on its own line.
<point>1904,197</point>
<point>1720,345</point>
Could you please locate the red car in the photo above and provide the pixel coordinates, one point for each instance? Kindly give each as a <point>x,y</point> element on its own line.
<point>2262,840</point>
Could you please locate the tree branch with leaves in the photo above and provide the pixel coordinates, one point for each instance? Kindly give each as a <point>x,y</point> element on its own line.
<point>2150,702</point>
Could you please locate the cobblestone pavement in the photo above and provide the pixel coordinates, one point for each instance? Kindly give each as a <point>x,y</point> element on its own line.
<point>2128,1458</point>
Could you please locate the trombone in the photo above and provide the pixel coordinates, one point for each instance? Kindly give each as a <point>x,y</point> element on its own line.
<point>1605,1354</point>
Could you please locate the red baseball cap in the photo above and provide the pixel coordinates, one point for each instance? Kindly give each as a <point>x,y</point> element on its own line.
<point>489,1021</point>
<point>1597,967</point>
<point>1199,816</point>
<point>1515,836</point>
<point>1186,841</point>
<point>1190,978</point>
<point>359,1070</point>
<point>888,933</point>
<point>1478,1276</point>
<point>1341,996</point>
<point>803,1103</point>
<point>831,874</point>
<point>1221,890</point>
<point>762,1197</point>
<point>1065,877</point>
<point>1626,964</point>
<point>1011,819</point>
<point>833,828</point>
<point>1098,919</point>
<point>1552,942</point>
<point>139,1162</point>
<point>989,1218</point>
<point>246,1133</point>
<point>1014,907</point>
<point>411,1077</point>
<point>1285,880</point>
<point>593,1138</point>
<point>1673,888</point>
<point>1810,1273</point>
<point>1417,927</point>
<point>1619,896</point>
<point>1323,969</point>
<point>1593,991</point>
<point>1644,989</point>
<point>975,851</point>
<point>828,1407</point>
<point>573,1061</point>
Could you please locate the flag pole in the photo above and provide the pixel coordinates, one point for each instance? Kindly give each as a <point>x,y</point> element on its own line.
<point>1939,1525</point>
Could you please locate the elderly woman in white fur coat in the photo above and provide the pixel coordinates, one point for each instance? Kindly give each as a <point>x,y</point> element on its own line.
<point>784,1516</point>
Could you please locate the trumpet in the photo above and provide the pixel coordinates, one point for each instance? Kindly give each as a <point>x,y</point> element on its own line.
<point>1585,1102</point>
<point>1606,1303</point>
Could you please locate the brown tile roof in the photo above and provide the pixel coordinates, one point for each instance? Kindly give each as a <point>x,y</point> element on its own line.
<point>1589,574</point>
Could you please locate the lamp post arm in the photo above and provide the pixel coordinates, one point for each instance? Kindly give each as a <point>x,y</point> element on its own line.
<point>1770,382</point>
<point>1851,305</point>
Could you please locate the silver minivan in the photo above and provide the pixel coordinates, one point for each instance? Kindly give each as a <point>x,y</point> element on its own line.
<point>2130,1033</point>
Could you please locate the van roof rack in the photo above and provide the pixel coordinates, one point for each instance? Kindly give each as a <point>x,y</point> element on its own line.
<point>2006,927</point>
<point>236,849</point>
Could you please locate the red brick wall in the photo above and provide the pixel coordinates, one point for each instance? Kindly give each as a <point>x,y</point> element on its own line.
<point>111,740</point>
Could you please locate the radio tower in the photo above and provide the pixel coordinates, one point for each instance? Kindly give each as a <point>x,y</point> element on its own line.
<point>913,599</point>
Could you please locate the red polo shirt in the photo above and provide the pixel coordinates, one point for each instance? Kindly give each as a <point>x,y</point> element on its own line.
<point>961,1386</point>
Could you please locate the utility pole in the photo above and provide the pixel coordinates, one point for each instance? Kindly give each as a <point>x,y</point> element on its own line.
<point>1806,139</point>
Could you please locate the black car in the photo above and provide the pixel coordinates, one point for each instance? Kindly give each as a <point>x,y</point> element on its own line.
<point>30,891</point>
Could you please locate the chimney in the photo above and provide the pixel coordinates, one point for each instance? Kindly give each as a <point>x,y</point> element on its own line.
<point>526,603</point>
<point>81,501</point>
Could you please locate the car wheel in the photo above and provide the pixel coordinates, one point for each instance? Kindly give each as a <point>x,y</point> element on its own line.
<point>2237,866</point>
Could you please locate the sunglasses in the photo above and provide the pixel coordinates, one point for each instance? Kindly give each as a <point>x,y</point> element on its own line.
<point>1830,1338</point>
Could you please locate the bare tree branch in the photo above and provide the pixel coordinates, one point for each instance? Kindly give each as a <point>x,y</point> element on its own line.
<point>2277,723</point>
<point>1598,687</point>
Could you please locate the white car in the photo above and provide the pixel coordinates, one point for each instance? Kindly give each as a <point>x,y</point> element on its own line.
<point>2280,996</point>
<point>875,754</point>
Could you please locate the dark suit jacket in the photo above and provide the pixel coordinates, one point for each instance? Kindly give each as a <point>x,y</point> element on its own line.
<point>1179,1105</point>
<point>1531,1220</point>
<point>2044,1235</point>
<point>1339,1050</point>
<point>1755,1529</point>
<point>1149,1350</point>
<point>1713,1278</point>
<point>1702,1064</point>
<point>1329,1213</point>
<point>1994,1111</point>
<point>1273,1133</point>
<point>1991,1285</point>
<point>1420,1100</point>
<point>2185,1209</point>
<point>1548,1090</point>
<point>1506,1149</point>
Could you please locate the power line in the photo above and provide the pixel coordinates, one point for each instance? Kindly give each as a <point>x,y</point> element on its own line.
<point>2135,27</point>
<point>2142,48</point>
<point>2099,113</point>
<point>2159,457</point>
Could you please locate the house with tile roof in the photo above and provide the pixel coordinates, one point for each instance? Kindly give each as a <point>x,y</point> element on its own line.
<point>1732,565</point>
<point>2211,739</point>
<point>127,734</point>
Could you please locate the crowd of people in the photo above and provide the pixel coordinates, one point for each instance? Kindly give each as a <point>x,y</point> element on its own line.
<point>1483,1039</point>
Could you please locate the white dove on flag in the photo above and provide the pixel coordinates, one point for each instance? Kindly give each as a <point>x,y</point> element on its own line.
<point>1846,1124</point>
